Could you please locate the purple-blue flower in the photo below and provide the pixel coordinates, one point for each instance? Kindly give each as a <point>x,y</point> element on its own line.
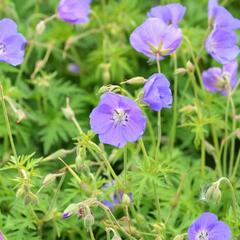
<point>221,44</point>
<point>157,93</point>
<point>73,68</point>
<point>170,14</point>
<point>220,17</point>
<point>12,43</point>
<point>74,11</point>
<point>221,80</point>
<point>117,119</point>
<point>207,227</point>
<point>155,39</point>
<point>116,197</point>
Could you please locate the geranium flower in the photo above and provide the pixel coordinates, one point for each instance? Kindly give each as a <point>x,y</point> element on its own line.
<point>221,44</point>
<point>171,13</point>
<point>220,17</point>
<point>117,119</point>
<point>12,43</point>
<point>74,11</point>
<point>116,197</point>
<point>155,39</point>
<point>157,92</point>
<point>221,80</point>
<point>207,227</point>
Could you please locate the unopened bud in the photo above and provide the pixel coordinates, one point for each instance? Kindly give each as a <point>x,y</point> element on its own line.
<point>209,148</point>
<point>126,199</point>
<point>179,237</point>
<point>61,153</point>
<point>135,80</point>
<point>107,88</point>
<point>50,178</point>
<point>67,111</point>
<point>181,71</point>
<point>70,210</point>
<point>88,221</point>
<point>214,193</point>
<point>40,28</point>
<point>20,192</point>
<point>190,66</point>
<point>116,237</point>
<point>31,198</point>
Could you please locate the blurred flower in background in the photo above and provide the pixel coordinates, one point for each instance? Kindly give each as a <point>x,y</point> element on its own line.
<point>171,13</point>
<point>74,11</point>
<point>73,68</point>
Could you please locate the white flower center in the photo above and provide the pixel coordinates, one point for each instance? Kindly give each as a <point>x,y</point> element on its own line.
<point>203,235</point>
<point>120,116</point>
<point>2,48</point>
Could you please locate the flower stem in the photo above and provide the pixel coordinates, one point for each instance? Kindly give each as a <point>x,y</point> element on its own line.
<point>7,123</point>
<point>174,124</point>
<point>234,198</point>
<point>125,157</point>
<point>157,201</point>
<point>159,134</point>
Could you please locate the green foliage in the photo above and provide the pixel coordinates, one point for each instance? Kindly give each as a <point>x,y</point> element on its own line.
<point>71,156</point>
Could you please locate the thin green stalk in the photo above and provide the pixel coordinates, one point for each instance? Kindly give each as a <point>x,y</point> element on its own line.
<point>91,234</point>
<point>233,138</point>
<point>174,124</point>
<point>143,149</point>
<point>125,157</point>
<point>203,157</point>
<point>217,150</point>
<point>157,201</point>
<point>236,167</point>
<point>225,137</point>
<point>159,134</point>
<point>7,123</point>
<point>234,198</point>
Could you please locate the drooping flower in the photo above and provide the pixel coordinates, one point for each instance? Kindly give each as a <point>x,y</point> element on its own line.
<point>220,17</point>
<point>155,39</point>
<point>157,92</point>
<point>208,227</point>
<point>74,11</point>
<point>171,13</point>
<point>117,119</point>
<point>12,43</point>
<point>221,44</point>
<point>116,198</point>
<point>221,80</point>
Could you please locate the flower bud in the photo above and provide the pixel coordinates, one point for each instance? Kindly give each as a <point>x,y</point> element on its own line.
<point>20,192</point>
<point>70,210</point>
<point>40,28</point>
<point>179,237</point>
<point>88,221</point>
<point>190,66</point>
<point>214,193</point>
<point>135,80</point>
<point>126,199</point>
<point>50,178</point>
<point>67,111</point>
<point>116,237</point>
<point>181,71</point>
<point>31,198</point>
